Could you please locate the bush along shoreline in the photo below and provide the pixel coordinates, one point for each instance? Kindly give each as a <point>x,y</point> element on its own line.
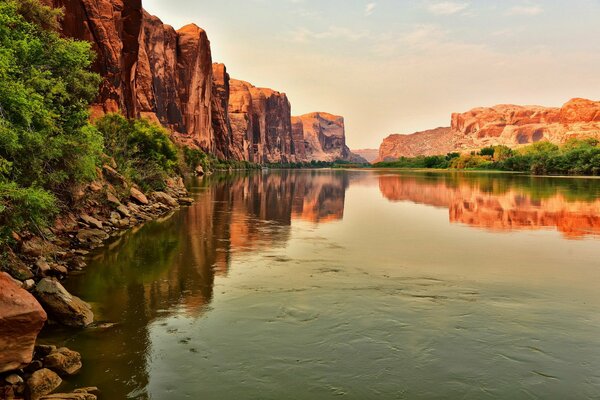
<point>579,157</point>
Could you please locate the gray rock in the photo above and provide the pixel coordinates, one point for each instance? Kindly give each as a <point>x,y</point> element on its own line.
<point>61,305</point>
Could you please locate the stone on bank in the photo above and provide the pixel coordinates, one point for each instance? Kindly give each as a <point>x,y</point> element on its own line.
<point>21,319</point>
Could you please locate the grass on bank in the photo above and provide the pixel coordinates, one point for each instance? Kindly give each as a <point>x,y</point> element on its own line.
<point>576,157</point>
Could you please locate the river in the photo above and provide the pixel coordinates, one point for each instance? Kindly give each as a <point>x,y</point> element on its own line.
<point>351,284</point>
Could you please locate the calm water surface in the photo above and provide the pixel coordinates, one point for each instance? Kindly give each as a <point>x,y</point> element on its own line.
<point>352,284</point>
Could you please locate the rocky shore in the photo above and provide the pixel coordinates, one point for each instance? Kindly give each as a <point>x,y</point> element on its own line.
<point>31,293</point>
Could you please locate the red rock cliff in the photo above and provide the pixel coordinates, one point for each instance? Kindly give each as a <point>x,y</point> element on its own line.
<point>151,70</point>
<point>261,118</point>
<point>508,125</point>
<point>321,136</point>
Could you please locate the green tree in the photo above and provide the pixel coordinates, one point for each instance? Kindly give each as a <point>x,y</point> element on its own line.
<point>46,142</point>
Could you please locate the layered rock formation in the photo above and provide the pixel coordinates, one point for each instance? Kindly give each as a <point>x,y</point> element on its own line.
<point>151,70</point>
<point>508,125</point>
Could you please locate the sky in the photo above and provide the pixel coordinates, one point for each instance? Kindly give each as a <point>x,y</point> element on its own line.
<point>401,66</point>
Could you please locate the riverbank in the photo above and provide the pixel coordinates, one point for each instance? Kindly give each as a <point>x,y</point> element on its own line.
<point>37,262</point>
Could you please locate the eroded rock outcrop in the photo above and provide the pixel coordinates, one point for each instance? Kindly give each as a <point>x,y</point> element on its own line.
<point>21,319</point>
<point>509,125</point>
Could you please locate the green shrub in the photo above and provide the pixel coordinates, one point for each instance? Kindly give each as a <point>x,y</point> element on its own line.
<point>142,150</point>
<point>46,142</point>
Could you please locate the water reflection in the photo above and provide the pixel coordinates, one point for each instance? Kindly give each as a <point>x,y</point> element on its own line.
<point>367,280</point>
<point>504,202</point>
<point>171,264</point>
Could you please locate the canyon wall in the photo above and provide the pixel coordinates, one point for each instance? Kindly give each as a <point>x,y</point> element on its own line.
<point>508,125</point>
<point>153,71</point>
<point>320,136</point>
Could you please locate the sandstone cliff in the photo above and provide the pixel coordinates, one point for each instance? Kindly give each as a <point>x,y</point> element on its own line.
<point>261,118</point>
<point>151,70</point>
<point>508,125</point>
<point>324,138</point>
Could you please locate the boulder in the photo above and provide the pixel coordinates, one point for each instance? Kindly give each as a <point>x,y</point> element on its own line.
<point>62,306</point>
<point>42,266</point>
<point>112,199</point>
<point>165,199</point>
<point>186,201</point>
<point>13,379</point>
<point>113,176</point>
<point>76,395</point>
<point>15,267</point>
<point>37,247</point>
<point>199,171</point>
<point>21,319</point>
<point>41,383</point>
<point>63,361</point>
<point>91,236</point>
<point>138,196</point>
<point>91,221</point>
<point>124,211</point>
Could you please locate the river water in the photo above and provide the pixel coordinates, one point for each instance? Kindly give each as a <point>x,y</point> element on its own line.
<point>352,284</point>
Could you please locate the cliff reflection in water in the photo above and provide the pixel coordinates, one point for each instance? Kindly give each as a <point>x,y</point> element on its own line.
<point>504,202</point>
<point>170,265</point>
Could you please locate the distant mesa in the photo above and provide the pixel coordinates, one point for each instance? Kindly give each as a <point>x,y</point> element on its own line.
<point>369,155</point>
<point>509,125</point>
<point>150,70</point>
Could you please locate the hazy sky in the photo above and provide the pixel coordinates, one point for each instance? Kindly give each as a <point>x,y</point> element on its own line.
<point>399,66</point>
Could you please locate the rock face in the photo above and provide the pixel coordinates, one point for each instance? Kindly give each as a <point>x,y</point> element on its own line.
<point>508,125</point>
<point>151,70</point>
<point>21,319</point>
<point>262,118</point>
<point>221,124</point>
<point>324,138</point>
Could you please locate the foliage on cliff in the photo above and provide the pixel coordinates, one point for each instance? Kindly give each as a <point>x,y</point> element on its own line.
<point>46,142</point>
<point>142,150</point>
